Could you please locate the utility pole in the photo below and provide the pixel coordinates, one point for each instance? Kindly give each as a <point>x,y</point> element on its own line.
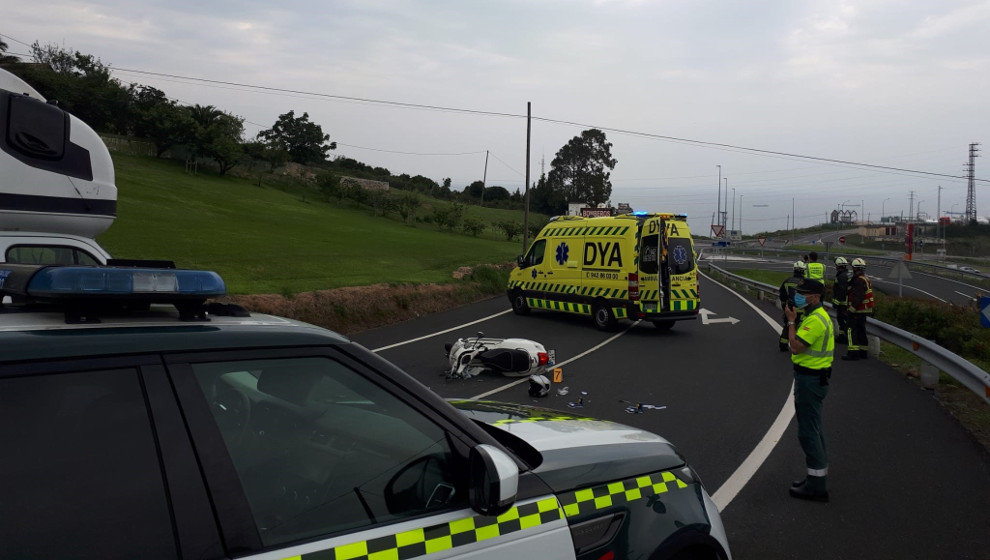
<point>740,215</point>
<point>725,206</point>
<point>970,175</point>
<point>938,215</point>
<point>733,208</point>
<point>911,204</point>
<point>718,212</point>
<point>484,179</point>
<point>529,124</point>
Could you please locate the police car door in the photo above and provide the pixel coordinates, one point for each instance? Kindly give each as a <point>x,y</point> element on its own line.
<point>652,253</point>
<point>309,455</point>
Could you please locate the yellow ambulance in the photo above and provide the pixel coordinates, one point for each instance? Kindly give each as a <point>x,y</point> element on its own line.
<point>635,266</point>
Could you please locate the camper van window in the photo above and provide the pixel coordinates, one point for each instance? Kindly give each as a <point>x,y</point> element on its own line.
<point>680,256</point>
<point>535,255</point>
<point>648,251</point>
<point>49,254</point>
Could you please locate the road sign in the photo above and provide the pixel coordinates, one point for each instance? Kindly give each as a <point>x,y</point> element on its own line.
<point>985,311</point>
<point>718,230</point>
<point>842,239</point>
<point>762,240</point>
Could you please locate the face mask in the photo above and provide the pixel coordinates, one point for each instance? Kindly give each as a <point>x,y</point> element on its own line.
<point>800,301</point>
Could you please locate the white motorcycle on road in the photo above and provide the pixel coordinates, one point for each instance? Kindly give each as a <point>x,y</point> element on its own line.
<point>512,357</point>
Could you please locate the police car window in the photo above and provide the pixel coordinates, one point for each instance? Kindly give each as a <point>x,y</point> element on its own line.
<point>321,449</point>
<point>649,254</point>
<point>535,255</point>
<point>49,254</point>
<point>80,474</point>
<point>680,255</point>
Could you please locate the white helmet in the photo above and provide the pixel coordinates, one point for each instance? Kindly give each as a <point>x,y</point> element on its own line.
<point>858,263</point>
<point>539,385</point>
<point>800,266</point>
<point>841,261</point>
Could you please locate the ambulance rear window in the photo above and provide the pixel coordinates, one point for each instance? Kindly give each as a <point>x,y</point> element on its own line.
<point>649,262</point>
<point>680,255</point>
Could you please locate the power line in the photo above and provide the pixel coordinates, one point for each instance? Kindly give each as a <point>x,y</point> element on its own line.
<point>408,153</point>
<point>689,141</point>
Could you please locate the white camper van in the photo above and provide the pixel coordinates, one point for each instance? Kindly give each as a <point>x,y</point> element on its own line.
<point>57,189</point>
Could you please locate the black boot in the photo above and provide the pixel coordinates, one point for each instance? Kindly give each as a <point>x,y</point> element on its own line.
<point>852,356</point>
<point>783,347</point>
<point>803,493</point>
<point>864,354</point>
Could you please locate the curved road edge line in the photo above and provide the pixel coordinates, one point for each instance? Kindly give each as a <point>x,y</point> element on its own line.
<point>431,335</point>
<point>745,471</point>
<point>565,362</point>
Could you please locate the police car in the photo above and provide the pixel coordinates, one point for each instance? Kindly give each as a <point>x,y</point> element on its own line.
<point>140,420</point>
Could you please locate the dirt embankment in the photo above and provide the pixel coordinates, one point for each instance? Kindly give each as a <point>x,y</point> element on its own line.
<point>354,309</point>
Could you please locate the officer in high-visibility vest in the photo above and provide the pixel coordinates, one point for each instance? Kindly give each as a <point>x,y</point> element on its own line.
<point>812,344</point>
<point>816,270</point>
<point>787,297</point>
<point>860,307</point>
<point>840,298</point>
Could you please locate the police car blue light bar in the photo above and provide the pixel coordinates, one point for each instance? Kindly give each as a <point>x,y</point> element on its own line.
<point>67,281</point>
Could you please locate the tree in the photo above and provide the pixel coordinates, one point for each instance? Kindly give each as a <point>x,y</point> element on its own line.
<point>303,140</point>
<point>581,169</point>
<point>6,58</point>
<point>475,189</point>
<point>546,200</point>
<point>217,136</point>
<point>159,119</point>
<point>496,193</point>
<point>82,85</point>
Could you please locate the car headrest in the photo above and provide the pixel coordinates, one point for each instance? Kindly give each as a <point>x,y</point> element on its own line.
<point>288,384</point>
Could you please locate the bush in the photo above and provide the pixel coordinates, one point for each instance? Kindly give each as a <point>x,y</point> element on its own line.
<point>490,279</point>
<point>473,226</point>
<point>448,217</point>
<point>510,229</point>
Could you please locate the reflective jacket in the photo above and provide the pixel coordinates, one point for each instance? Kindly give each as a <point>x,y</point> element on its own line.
<point>815,332</point>
<point>860,294</point>
<point>816,271</point>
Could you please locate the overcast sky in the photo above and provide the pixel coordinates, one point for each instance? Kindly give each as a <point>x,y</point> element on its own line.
<point>892,83</point>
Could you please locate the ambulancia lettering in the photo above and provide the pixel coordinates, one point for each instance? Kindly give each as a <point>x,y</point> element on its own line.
<point>602,253</point>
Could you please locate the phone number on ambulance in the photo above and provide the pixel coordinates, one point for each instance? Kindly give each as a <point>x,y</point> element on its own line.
<point>602,275</point>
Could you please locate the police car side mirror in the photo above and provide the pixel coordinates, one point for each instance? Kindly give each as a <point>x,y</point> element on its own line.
<point>494,480</point>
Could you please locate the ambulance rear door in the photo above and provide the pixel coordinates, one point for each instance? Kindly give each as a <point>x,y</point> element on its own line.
<point>652,274</point>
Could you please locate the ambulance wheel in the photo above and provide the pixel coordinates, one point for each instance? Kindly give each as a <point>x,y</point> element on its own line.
<point>604,319</point>
<point>663,325</point>
<point>518,301</point>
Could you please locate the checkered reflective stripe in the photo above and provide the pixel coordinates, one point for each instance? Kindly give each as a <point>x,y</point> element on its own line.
<point>468,530</point>
<point>615,493</point>
<point>619,312</point>
<point>444,536</point>
<point>614,293</point>
<point>614,231</point>
<point>683,300</point>
<point>554,305</point>
<point>539,418</point>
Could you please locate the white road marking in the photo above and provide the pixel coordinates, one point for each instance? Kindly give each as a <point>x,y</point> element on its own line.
<point>965,295</point>
<point>707,320</point>
<point>565,362</point>
<point>745,471</point>
<point>929,294</point>
<point>431,335</point>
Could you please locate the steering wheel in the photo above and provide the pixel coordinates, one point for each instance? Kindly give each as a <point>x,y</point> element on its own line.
<point>232,410</point>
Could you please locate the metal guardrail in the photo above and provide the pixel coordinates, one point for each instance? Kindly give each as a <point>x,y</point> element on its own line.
<point>959,368</point>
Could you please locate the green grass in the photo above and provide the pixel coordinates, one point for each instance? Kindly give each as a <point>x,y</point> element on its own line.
<point>267,240</point>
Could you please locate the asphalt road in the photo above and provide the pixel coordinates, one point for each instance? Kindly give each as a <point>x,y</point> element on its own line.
<point>906,480</point>
<point>920,285</point>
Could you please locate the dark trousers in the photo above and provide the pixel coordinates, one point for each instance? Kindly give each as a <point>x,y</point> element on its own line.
<point>809,396</point>
<point>857,332</point>
<point>842,318</point>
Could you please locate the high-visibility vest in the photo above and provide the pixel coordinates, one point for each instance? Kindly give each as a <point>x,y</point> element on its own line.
<point>816,271</point>
<point>817,329</point>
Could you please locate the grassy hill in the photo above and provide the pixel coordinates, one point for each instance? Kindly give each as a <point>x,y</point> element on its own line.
<point>268,240</point>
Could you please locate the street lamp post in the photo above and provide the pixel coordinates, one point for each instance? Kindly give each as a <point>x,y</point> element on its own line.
<point>733,208</point>
<point>740,215</point>
<point>883,237</point>
<point>724,209</point>
<point>917,215</point>
<point>718,211</point>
